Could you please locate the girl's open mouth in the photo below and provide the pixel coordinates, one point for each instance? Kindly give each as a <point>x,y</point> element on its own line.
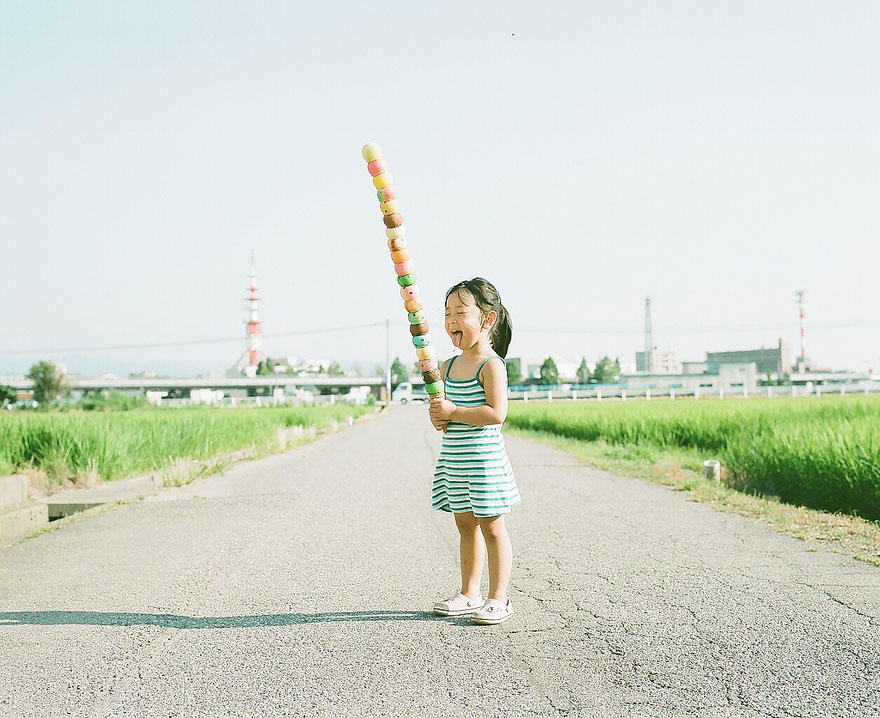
<point>456,338</point>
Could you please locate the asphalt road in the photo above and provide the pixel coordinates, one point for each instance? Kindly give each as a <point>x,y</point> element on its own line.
<point>301,585</point>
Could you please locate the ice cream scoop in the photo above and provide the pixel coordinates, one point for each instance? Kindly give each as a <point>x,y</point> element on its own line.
<point>407,293</point>
<point>403,267</point>
<point>428,364</point>
<point>413,305</point>
<point>396,243</point>
<point>427,352</point>
<point>422,340</point>
<point>393,220</point>
<point>381,181</point>
<point>389,207</point>
<point>416,329</point>
<point>386,193</point>
<point>430,376</point>
<point>371,151</point>
<point>401,255</point>
<point>376,167</point>
<point>434,388</point>
<point>406,280</point>
<point>395,232</point>
<point>416,317</point>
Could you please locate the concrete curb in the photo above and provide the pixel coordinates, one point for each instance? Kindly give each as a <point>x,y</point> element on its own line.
<point>19,516</point>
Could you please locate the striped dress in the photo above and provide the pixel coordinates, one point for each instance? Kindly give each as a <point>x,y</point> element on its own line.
<point>473,472</point>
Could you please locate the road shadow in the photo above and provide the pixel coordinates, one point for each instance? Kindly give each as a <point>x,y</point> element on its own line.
<point>170,620</point>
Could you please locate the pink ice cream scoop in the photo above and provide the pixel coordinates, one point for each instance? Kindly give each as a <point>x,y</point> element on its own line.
<point>404,268</point>
<point>385,194</point>
<point>376,167</point>
<point>427,364</point>
<point>410,292</point>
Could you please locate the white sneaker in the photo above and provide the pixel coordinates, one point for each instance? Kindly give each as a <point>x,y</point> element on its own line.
<point>492,612</point>
<point>458,605</point>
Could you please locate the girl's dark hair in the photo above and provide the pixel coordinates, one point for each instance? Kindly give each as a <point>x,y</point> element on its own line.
<point>487,299</point>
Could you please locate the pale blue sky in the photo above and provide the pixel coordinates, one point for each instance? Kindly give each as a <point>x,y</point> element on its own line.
<point>715,156</point>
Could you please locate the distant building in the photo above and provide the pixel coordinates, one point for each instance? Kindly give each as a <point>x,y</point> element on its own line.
<point>694,367</point>
<point>773,361</point>
<point>732,378</point>
<point>657,361</point>
<point>804,365</point>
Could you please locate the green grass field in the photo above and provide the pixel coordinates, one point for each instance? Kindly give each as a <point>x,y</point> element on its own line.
<point>822,453</point>
<point>115,444</point>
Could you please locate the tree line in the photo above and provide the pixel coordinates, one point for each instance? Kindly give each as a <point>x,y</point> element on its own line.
<point>606,371</point>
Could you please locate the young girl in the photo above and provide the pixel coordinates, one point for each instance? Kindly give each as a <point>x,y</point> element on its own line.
<point>473,478</point>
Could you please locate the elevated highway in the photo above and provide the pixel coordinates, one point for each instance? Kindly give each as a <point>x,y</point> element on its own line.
<point>185,385</point>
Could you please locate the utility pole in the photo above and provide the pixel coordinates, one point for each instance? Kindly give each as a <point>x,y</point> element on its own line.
<point>388,359</point>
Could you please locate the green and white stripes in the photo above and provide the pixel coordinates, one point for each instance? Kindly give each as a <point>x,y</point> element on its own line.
<point>473,472</point>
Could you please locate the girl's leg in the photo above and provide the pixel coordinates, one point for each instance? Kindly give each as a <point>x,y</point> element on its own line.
<point>500,552</point>
<point>471,553</point>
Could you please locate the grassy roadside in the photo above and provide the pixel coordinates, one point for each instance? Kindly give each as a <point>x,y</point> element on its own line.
<point>86,448</point>
<point>680,469</point>
<point>181,472</point>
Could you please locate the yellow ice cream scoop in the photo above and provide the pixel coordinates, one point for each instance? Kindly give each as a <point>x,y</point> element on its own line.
<point>371,152</point>
<point>389,207</point>
<point>381,181</point>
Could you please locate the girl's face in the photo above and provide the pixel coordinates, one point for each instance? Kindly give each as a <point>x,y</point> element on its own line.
<point>465,323</point>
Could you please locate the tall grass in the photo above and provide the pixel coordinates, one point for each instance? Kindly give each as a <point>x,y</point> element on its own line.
<point>818,452</point>
<point>118,444</point>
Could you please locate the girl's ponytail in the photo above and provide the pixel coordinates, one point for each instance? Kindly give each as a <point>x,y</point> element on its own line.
<point>501,332</point>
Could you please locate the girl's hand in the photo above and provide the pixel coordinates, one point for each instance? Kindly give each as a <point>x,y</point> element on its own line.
<point>442,409</point>
<point>439,424</point>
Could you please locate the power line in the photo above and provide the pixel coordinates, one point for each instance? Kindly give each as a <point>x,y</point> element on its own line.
<point>854,324</point>
<point>192,342</point>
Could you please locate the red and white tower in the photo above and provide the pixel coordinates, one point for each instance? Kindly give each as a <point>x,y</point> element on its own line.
<point>800,301</point>
<point>252,356</point>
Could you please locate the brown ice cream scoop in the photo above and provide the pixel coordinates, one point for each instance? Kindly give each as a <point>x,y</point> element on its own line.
<point>416,329</point>
<point>393,220</point>
<point>431,376</point>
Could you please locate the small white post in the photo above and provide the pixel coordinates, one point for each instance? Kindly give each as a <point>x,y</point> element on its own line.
<point>623,394</point>
<point>769,392</point>
<point>525,396</point>
<point>712,469</point>
<point>793,390</point>
<point>598,395</point>
<point>745,391</point>
<point>332,399</point>
<point>866,390</point>
<point>671,394</point>
<point>720,392</point>
<point>574,395</point>
<point>648,394</point>
<point>818,390</point>
<point>696,393</point>
<point>842,390</point>
<point>549,396</point>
